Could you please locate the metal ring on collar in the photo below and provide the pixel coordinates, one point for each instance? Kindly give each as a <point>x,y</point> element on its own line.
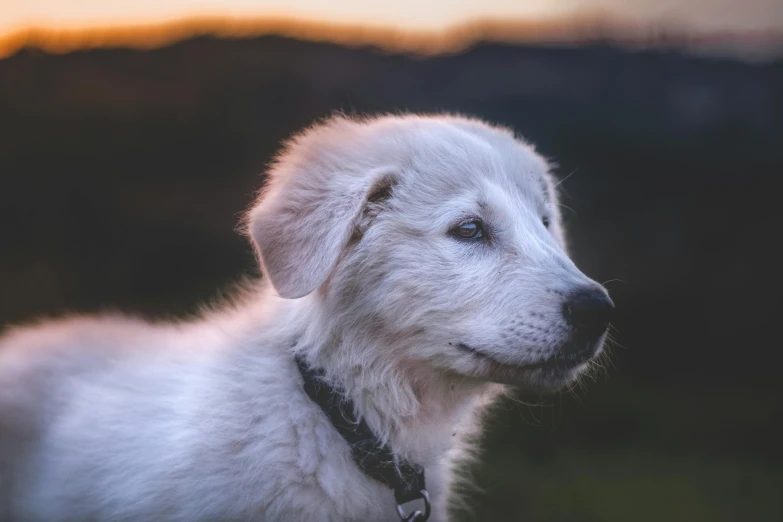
<point>416,516</point>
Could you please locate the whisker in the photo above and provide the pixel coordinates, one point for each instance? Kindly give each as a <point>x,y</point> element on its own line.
<point>519,401</point>
<point>565,178</point>
<point>567,207</point>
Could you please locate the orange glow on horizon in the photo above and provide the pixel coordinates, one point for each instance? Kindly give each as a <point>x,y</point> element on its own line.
<point>572,29</point>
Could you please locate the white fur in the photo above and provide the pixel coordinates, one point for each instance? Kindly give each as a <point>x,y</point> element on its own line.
<point>113,418</point>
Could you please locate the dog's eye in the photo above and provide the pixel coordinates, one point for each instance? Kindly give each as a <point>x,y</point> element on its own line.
<point>469,230</point>
<point>545,221</point>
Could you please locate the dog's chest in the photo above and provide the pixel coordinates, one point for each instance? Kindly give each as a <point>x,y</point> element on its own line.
<point>314,476</point>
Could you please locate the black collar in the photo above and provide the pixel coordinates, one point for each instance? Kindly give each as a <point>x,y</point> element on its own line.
<point>374,458</point>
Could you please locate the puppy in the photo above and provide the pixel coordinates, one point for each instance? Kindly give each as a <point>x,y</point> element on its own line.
<point>413,266</point>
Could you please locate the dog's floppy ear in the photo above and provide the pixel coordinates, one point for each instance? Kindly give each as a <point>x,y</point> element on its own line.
<point>307,214</point>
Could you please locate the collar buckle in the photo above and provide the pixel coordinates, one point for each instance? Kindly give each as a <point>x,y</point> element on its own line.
<point>416,515</point>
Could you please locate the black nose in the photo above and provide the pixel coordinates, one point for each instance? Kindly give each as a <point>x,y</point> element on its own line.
<point>588,311</point>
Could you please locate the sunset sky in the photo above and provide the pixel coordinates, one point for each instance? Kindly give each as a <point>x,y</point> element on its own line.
<point>706,15</point>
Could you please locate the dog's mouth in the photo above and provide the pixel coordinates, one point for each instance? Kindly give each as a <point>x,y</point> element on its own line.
<point>548,374</point>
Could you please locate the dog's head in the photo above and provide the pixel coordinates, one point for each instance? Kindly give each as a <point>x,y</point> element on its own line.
<point>437,240</point>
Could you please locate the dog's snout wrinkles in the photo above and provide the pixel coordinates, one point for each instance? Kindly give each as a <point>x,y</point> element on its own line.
<point>589,311</point>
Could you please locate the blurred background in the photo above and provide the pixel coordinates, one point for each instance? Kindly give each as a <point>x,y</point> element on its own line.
<point>131,138</point>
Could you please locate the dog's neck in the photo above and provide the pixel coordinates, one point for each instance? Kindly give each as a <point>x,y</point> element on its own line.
<point>419,411</point>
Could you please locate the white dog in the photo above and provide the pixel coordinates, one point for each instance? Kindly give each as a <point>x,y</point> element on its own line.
<point>413,265</point>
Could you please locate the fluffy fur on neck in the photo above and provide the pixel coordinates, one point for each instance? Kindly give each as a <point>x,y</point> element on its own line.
<point>417,410</point>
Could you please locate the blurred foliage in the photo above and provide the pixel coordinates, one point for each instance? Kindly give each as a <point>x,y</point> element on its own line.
<point>623,452</point>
